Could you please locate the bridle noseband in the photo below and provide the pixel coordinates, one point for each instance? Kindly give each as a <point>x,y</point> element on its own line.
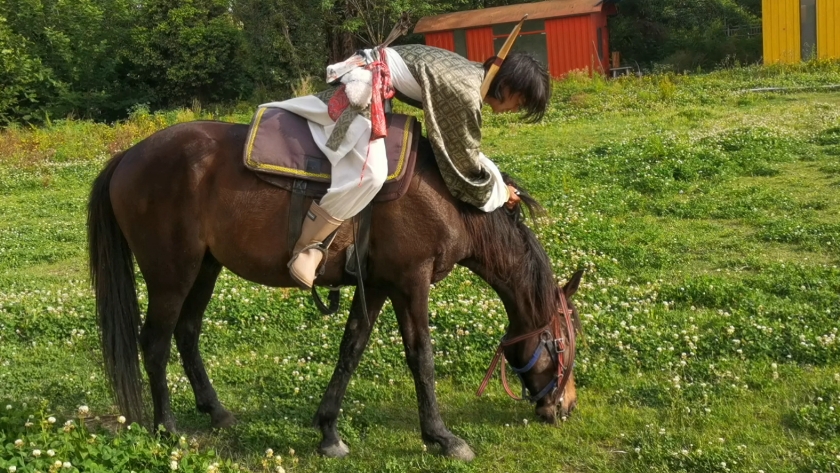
<point>551,339</point>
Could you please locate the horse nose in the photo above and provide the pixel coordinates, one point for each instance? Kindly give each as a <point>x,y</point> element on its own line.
<point>566,411</point>
<point>547,414</point>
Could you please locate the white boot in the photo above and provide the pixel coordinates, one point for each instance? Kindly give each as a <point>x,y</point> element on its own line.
<point>307,254</point>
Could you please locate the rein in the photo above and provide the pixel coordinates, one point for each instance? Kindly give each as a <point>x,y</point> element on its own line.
<point>551,339</point>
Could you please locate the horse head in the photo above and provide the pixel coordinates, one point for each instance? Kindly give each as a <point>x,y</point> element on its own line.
<point>540,340</point>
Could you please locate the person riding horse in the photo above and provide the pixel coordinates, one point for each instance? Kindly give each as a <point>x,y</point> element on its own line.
<point>347,123</point>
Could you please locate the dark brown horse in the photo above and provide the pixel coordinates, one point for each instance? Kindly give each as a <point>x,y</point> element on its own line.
<point>183,205</point>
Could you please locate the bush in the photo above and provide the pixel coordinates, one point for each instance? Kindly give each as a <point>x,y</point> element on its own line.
<point>26,85</point>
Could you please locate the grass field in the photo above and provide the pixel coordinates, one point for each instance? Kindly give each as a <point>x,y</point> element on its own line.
<point>708,219</point>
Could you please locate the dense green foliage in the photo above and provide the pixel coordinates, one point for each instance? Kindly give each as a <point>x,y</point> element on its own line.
<point>100,58</point>
<point>687,35</point>
<point>707,218</point>
<point>25,83</point>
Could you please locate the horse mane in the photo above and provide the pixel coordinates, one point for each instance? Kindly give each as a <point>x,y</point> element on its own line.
<point>495,233</point>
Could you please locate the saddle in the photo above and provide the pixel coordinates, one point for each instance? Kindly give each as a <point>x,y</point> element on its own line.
<point>281,151</point>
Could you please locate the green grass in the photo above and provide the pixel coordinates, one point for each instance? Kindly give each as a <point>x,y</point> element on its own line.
<point>708,219</point>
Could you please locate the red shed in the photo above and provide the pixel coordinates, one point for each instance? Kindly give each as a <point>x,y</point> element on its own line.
<point>564,34</point>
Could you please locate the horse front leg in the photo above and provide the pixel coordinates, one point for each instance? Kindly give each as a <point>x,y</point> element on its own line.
<point>413,317</point>
<point>356,336</point>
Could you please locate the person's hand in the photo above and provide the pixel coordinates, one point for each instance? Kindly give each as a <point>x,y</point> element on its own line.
<point>513,198</point>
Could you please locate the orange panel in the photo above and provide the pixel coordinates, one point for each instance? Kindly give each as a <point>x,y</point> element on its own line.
<point>572,44</point>
<point>443,40</point>
<point>480,44</point>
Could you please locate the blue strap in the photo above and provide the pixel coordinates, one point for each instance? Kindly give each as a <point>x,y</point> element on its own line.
<point>547,389</point>
<point>531,363</point>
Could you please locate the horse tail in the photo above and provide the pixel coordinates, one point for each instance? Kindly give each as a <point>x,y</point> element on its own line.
<point>117,310</point>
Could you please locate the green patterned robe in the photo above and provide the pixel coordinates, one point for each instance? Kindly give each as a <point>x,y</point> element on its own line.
<point>451,103</point>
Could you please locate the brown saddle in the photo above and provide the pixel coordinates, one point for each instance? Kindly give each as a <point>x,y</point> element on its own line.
<point>281,150</point>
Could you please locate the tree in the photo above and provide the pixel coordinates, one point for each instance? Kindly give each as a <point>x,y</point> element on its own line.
<point>283,42</point>
<point>352,24</point>
<point>81,43</point>
<point>26,85</point>
<point>186,50</point>
<point>686,34</point>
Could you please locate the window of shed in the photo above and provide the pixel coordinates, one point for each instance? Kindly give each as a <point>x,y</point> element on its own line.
<point>808,28</point>
<point>531,39</point>
<point>460,37</point>
<point>530,26</point>
<point>534,44</point>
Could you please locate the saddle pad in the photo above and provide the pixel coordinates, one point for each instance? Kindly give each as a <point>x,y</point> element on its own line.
<point>281,150</point>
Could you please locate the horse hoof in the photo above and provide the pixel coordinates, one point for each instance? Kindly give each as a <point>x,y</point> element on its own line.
<point>222,420</point>
<point>460,451</point>
<point>336,450</point>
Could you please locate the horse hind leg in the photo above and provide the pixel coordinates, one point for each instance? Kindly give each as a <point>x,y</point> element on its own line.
<point>168,289</point>
<point>187,333</point>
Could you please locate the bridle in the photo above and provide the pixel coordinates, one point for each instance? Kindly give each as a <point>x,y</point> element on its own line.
<point>551,339</point>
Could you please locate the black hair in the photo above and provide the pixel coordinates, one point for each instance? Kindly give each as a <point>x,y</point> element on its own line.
<point>522,73</point>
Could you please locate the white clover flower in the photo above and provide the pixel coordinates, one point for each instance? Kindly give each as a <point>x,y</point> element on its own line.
<point>51,453</point>
<point>291,452</point>
<point>84,410</point>
<point>67,465</point>
<point>269,452</point>
<point>279,469</point>
<point>121,419</point>
<point>28,424</point>
<point>637,449</point>
<point>51,419</point>
<point>173,465</point>
<point>12,469</point>
<point>8,407</point>
<point>36,453</point>
<point>57,464</point>
<point>18,443</point>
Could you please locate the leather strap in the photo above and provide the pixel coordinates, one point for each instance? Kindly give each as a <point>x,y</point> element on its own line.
<point>296,212</point>
<point>558,345</point>
<point>334,299</point>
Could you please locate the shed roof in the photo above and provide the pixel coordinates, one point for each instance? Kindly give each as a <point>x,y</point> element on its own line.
<point>507,14</point>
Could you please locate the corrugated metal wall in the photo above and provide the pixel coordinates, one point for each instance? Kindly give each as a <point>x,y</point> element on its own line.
<point>480,44</point>
<point>782,31</point>
<point>828,29</point>
<point>571,44</point>
<point>443,40</point>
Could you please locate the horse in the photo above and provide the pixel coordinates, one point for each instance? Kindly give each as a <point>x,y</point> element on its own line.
<point>182,205</point>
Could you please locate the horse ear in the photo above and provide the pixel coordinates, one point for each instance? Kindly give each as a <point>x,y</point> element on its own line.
<point>571,287</point>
